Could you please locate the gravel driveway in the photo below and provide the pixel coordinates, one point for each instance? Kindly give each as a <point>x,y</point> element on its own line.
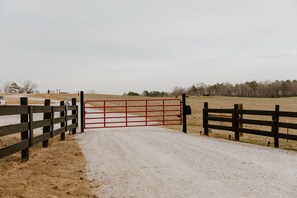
<point>157,162</point>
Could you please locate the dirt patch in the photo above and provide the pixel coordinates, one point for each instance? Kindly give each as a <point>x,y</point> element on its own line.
<point>56,171</point>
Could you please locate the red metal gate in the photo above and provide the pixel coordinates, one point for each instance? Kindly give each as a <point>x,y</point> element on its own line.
<point>132,113</point>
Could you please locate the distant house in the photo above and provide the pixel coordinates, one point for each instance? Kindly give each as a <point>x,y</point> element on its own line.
<point>22,90</point>
<point>15,88</point>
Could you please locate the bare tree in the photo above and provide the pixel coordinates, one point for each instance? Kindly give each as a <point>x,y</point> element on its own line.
<point>201,89</point>
<point>29,86</point>
<point>6,86</point>
<point>178,91</point>
<point>192,91</point>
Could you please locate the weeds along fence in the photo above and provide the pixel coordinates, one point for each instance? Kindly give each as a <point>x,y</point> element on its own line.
<point>48,121</point>
<point>256,122</point>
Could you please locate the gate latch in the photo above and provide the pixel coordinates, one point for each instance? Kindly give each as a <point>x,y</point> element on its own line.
<point>188,110</point>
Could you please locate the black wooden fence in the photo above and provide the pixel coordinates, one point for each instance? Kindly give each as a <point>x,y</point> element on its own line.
<point>56,121</point>
<point>234,120</point>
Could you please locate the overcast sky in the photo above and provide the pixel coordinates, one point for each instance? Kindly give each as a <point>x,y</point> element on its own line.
<point>116,46</point>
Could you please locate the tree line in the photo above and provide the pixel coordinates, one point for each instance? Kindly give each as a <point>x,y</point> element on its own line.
<point>260,89</point>
<point>147,93</point>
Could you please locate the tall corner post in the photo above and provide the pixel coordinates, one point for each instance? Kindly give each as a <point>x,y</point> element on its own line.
<point>82,112</point>
<point>235,122</point>
<point>275,127</point>
<point>240,117</point>
<point>184,113</point>
<point>205,118</point>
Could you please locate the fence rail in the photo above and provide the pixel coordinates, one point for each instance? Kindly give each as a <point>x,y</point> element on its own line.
<point>235,119</point>
<point>27,125</point>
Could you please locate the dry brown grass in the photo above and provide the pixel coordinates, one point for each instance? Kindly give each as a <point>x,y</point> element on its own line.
<point>16,101</point>
<point>286,104</point>
<point>68,97</point>
<point>56,171</point>
<point>195,120</point>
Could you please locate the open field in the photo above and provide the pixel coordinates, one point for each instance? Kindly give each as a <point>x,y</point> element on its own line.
<point>195,120</point>
<point>197,103</point>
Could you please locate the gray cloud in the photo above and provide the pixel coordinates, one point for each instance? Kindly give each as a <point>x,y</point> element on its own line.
<point>114,46</point>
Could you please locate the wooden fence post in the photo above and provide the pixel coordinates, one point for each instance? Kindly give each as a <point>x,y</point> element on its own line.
<point>74,112</point>
<point>66,120</point>
<point>240,116</point>
<point>52,122</point>
<point>235,122</point>
<point>82,113</point>
<point>62,114</point>
<point>205,118</point>
<point>24,134</point>
<point>31,136</point>
<point>46,129</point>
<point>275,126</point>
<point>184,116</point>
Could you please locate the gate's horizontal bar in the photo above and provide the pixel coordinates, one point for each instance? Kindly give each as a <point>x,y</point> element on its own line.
<point>131,121</point>
<point>135,100</point>
<point>131,126</point>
